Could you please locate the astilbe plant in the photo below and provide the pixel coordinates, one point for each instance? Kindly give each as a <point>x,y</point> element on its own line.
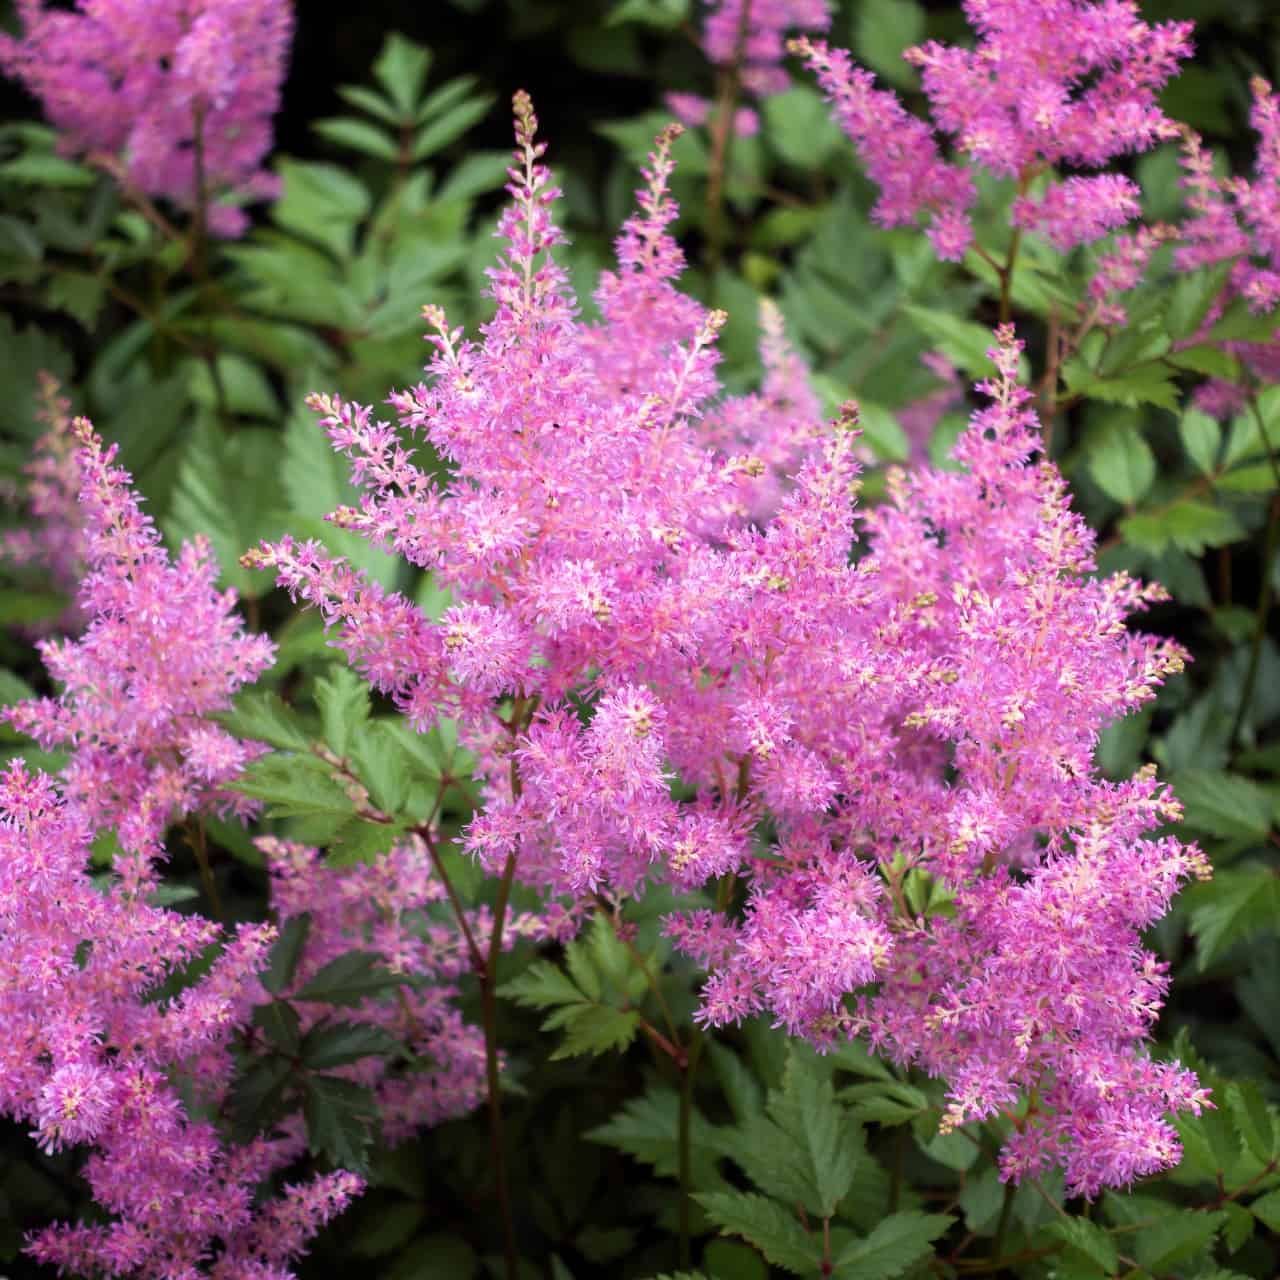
<point>1071,84</point>
<point>177,95</point>
<point>91,1057</point>
<point>163,650</point>
<point>882,726</point>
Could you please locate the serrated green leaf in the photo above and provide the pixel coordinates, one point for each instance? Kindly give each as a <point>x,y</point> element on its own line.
<point>1239,1227</point>
<point>262,716</point>
<point>1224,805</point>
<point>282,963</point>
<point>257,1097</point>
<point>542,985</point>
<point>963,342</point>
<point>1089,1238</point>
<point>295,786</point>
<point>343,700</point>
<point>226,491</point>
<point>888,1102</point>
<point>372,102</point>
<point>339,1115</point>
<point>897,1243</point>
<point>1176,1237</point>
<point>741,1089</point>
<point>1254,1119</point>
<point>389,1230</point>
<point>1241,903</point>
<point>592,1029</point>
<point>647,1128</point>
<point>1189,525</point>
<point>1123,465</point>
<point>1267,1210</point>
<point>1148,384</point>
<point>351,978</point>
<point>279,1022</point>
<point>335,1044</point>
<point>772,1230</point>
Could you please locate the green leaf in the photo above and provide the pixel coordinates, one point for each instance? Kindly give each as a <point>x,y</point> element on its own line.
<point>335,1044</point>
<point>265,717</point>
<point>389,1230</point>
<point>886,1102</point>
<point>295,786</point>
<point>1089,1238</point>
<point>282,964</point>
<point>1224,805</point>
<point>339,1115</point>
<point>647,1128</point>
<point>592,1029</point>
<point>772,1230</point>
<point>445,128</point>
<point>343,700</point>
<point>1123,465</point>
<point>664,15</point>
<point>1176,1237</point>
<point>881,33</point>
<point>542,985</point>
<point>800,127</point>
<point>401,69</point>
<point>897,1243</point>
<point>314,479</point>
<point>1201,438</point>
<point>322,203</point>
<point>368,100</point>
<point>1254,1119</point>
<point>963,342</point>
<point>258,1094</point>
<point>1191,526</point>
<point>349,979</point>
<point>741,1089</point>
<point>227,491</point>
<point>280,1023</point>
<point>1267,1210</point>
<point>1238,904</point>
<point>358,135</point>
<point>45,169</point>
<point>1239,1226</point>
<point>1147,384</point>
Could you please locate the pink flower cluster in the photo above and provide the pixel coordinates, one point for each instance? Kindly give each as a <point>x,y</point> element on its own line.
<point>1050,84</point>
<point>172,86</point>
<point>1237,220</point>
<point>52,537</point>
<point>852,722</point>
<point>162,651</point>
<point>90,1058</point>
<point>750,37</point>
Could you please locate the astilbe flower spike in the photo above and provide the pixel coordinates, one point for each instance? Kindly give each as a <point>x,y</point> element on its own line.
<point>1050,84</point>
<point>928,708</point>
<point>51,539</point>
<point>164,86</point>
<point>1237,221</point>
<point>163,650</point>
<point>90,1059</point>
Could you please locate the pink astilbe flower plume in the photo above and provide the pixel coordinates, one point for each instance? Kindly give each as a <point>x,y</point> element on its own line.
<point>52,539</point>
<point>162,651</point>
<point>90,1059</point>
<point>628,612</point>
<point>1237,220</point>
<point>1049,85</point>
<point>163,86</point>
